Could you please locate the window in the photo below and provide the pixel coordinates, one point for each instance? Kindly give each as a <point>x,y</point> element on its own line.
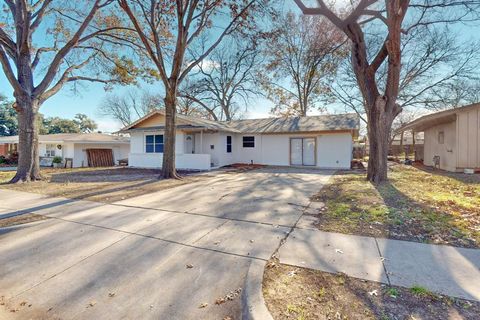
<point>249,142</point>
<point>50,150</point>
<point>441,137</point>
<point>154,143</point>
<point>229,144</point>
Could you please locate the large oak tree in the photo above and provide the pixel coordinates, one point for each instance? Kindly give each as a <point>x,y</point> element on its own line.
<point>168,31</point>
<point>380,101</point>
<point>44,45</point>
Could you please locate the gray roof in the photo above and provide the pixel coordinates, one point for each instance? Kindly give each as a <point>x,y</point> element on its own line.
<point>209,124</point>
<point>333,122</point>
<point>73,137</point>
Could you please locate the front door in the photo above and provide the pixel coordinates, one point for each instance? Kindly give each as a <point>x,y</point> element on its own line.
<point>189,143</point>
<point>302,151</point>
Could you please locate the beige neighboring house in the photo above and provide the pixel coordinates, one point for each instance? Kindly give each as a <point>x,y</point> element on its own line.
<point>451,137</point>
<point>80,148</point>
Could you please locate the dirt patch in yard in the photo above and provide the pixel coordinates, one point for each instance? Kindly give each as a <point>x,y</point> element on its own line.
<point>299,293</point>
<point>99,184</point>
<point>415,205</point>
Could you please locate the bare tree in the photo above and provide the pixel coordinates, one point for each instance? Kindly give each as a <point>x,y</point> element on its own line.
<point>438,71</point>
<point>44,45</point>
<point>226,82</point>
<point>381,102</point>
<point>303,55</point>
<point>166,30</point>
<point>454,94</point>
<point>130,106</point>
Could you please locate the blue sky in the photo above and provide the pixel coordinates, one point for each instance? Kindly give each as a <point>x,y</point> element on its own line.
<point>66,103</point>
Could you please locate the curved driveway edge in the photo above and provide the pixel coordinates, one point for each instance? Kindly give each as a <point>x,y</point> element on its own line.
<point>253,304</point>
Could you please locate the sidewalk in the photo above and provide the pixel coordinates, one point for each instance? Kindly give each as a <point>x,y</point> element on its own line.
<point>443,269</point>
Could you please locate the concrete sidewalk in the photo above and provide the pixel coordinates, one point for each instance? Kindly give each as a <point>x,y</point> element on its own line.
<point>443,269</point>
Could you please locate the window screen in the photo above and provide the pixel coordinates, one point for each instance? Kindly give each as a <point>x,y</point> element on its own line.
<point>249,142</point>
<point>229,144</point>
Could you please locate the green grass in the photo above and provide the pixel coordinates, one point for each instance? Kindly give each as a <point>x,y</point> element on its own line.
<point>392,292</point>
<point>298,311</point>
<point>420,291</point>
<point>413,205</point>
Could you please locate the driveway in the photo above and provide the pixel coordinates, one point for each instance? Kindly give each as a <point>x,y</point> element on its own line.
<point>181,253</point>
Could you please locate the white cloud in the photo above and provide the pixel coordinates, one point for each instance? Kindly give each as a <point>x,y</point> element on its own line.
<point>257,115</point>
<point>206,65</point>
<point>108,126</point>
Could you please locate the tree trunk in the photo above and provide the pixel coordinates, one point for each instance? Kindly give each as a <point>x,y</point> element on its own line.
<point>168,166</point>
<point>379,126</point>
<point>28,168</point>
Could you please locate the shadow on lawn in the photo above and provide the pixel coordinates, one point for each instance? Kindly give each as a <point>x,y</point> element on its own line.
<point>411,220</point>
<point>110,175</point>
<point>462,177</point>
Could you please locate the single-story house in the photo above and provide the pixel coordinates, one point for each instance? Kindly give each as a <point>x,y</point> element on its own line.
<point>411,144</point>
<point>451,138</point>
<point>81,149</point>
<point>318,141</point>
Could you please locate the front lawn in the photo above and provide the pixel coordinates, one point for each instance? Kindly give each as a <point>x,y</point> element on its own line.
<point>300,293</point>
<point>97,184</point>
<point>416,205</point>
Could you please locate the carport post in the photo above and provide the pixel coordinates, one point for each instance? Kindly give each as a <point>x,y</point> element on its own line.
<point>413,145</point>
<point>201,141</point>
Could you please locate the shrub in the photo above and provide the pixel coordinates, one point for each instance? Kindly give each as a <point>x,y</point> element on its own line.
<point>57,159</point>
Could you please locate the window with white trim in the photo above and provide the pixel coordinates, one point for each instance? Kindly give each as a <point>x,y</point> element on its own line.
<point>154,143</point>
<point>50,150</point>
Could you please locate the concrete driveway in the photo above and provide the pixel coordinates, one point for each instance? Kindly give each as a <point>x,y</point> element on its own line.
<point>158,256</point>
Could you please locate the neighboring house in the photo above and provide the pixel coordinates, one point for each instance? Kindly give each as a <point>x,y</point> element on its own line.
<point>408,145</point>
<point>452,137</point>
<point>317,141</point>
<point>83,149</point>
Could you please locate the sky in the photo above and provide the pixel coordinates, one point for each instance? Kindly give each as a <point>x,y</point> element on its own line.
<point>86,100</point>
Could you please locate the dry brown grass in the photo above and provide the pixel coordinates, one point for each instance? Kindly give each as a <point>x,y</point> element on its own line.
<point>416,205</point>
<point>311,294</point>
<point>98,184</point>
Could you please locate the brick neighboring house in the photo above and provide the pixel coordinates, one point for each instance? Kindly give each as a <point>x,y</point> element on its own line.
<point>7,148</point>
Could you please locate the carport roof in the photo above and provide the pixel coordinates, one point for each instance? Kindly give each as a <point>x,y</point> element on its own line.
<point>434,119</point>
<point>73,137</point>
